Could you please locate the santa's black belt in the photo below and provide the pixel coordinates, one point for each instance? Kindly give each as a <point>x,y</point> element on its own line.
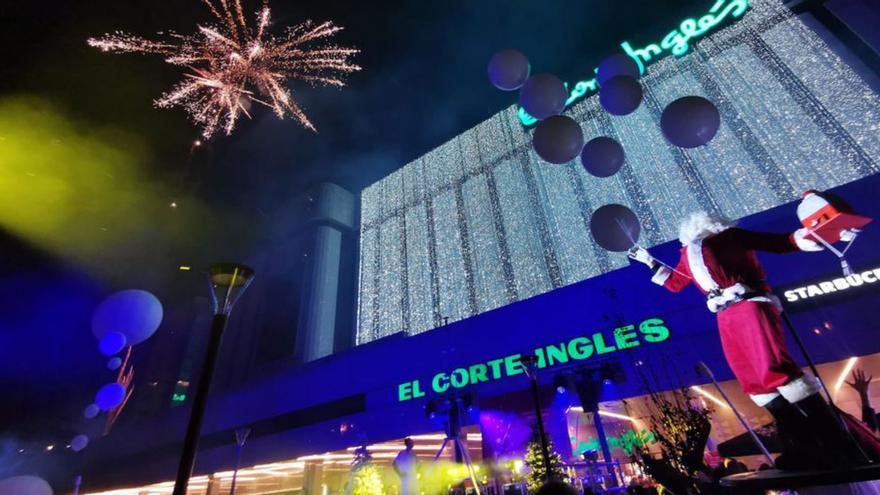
<point>716,300</point>
<point>745,295</point>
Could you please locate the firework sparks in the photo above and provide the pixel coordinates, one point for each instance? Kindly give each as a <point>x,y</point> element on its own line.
<point>231,64</point>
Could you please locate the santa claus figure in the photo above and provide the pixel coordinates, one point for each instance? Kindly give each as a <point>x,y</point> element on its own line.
<point>721,261</point>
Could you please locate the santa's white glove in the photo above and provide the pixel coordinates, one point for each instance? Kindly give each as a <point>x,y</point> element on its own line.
<point>805,243</point>
<point>849,234</point>
<point>642,255</point>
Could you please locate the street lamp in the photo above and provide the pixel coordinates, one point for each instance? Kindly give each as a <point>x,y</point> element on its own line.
<point>228,282</point>
<point>530,365</point>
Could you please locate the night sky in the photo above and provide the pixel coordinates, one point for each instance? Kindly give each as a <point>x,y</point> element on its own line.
<point>423,82</point>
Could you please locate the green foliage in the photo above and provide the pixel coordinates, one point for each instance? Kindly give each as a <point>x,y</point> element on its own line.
<point>365,476</point>
<point>682,429</point>
<point>367,480</point>
<point>534,460</point>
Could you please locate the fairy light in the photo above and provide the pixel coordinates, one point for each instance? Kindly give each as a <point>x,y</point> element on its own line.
<point>432,436</point>
<point>235,63</point>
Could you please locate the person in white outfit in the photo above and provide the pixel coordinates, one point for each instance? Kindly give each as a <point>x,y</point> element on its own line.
<point>406,466</point>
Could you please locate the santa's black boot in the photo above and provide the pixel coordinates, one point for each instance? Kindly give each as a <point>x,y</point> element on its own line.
<point>837,448</point>
<point>797,442</point>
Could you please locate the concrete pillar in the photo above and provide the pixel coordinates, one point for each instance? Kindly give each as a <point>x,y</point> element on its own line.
<point>331,212</point>
<point>316,331</point>
<point>213,486</point>
<point>313,478</point>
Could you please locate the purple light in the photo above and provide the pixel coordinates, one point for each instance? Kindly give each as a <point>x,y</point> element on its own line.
<point>504,434</point>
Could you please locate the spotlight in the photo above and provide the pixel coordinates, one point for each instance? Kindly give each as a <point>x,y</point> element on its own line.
<point>611,373</point>
<point>560,383</point>
<point>431,410</point>
<point>467,402</point>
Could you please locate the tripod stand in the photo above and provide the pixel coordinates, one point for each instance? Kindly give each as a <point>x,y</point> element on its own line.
<point>453,435</point>
<point>458,445</point>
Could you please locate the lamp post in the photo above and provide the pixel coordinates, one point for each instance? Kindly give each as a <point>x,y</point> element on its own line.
<point>530,365</point>
<point>228,282</point>
<point>241,436</point>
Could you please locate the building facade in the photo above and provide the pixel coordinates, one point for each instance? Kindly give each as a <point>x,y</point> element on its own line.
<point>482,221</point>
<point>489,248</point>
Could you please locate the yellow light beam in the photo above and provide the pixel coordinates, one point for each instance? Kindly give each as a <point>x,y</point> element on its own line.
<point>710,396</point>
<point>843,374</point>
<point>609,414</point>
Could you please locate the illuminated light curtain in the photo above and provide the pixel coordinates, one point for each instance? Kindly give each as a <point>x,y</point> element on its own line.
<point>481,221</point>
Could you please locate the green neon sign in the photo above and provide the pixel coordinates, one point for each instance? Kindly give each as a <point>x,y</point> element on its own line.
<point>677,42</point>
<point>627,442</point>
<point>650,331</point>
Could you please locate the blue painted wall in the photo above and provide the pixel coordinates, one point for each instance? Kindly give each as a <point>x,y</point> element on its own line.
<point>624,296</point>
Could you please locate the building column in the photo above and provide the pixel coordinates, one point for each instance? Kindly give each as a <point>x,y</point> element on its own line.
<point>313,477</point>
<point>317,324</point>
<point>331,209</point>
<point>213,486</point>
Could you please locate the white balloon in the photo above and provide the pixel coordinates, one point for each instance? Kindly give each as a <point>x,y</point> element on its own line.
<point>110,396</point>
<point>114,363</point>
<point>111,343</point>
<point>25,485</point>
<point>79,442</point>
<point>91,411</point>
<point>134,313</point>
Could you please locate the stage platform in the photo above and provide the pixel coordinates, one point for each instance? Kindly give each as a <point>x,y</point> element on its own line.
<point>774,479</point>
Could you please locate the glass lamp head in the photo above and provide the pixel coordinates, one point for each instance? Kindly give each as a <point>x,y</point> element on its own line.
<point>228,282</point>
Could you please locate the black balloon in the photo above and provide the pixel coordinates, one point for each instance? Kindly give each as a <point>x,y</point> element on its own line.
<point>558,139</point>
<point>508,69</point>
<point>602,156</point>
<point>543,95</point>
<point>556,487</point>
<point>690,121</point>
<point>615,227</point>
<point>620,95</point>
<point>617,65</point>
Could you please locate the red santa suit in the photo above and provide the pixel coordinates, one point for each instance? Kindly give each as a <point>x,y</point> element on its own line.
<point>721,261</point>
<point>725,268</point>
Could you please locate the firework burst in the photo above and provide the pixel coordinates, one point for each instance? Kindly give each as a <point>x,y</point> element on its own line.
<point>232,63</point>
